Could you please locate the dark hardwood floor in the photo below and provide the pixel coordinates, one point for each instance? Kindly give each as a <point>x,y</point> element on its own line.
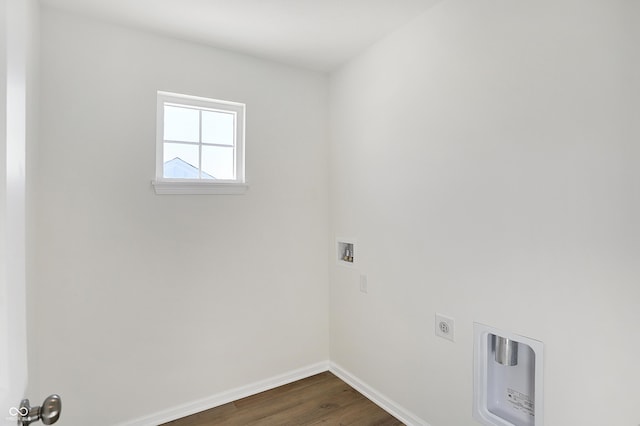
<point>320,399</point>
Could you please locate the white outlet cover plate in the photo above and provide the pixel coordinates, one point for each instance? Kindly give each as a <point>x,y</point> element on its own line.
<point>364,287</point>
<point>445,327</point>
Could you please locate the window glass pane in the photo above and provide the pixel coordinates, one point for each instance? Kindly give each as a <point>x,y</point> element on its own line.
<point>217,127</point>
<point>217,162</point>
<point>181,124</point>
<point>180,161</point>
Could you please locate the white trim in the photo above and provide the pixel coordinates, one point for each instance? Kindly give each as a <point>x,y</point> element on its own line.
<point>227,396</point>
<point>198,187</point>
<point>180,411</point>
<point>199,101</point>
<point>391,407</point>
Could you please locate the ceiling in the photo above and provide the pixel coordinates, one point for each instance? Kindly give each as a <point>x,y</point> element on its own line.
<point>314,34</point>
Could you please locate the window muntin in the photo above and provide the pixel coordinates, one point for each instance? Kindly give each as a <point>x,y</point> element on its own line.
<point>199,141</point>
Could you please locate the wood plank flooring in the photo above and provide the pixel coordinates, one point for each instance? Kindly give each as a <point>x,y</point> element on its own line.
<point>320,399</point>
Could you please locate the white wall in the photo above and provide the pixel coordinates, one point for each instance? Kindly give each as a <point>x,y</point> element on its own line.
<point>485,157</point>
<point>146,302</point>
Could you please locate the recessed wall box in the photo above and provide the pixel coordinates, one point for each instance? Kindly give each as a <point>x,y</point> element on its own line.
<point>507,383</point>
<point>345,251</point>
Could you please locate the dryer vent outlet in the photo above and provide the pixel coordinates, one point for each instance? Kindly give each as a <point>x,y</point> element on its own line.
<point>445,327</point>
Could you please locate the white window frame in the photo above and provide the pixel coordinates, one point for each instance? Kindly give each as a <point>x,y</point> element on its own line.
<point>164,185</point>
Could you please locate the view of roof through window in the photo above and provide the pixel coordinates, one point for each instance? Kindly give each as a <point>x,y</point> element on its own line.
<point>178,168</point>
<point>199,143</point>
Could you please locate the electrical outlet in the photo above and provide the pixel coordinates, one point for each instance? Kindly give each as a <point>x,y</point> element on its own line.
<point>445,327</point>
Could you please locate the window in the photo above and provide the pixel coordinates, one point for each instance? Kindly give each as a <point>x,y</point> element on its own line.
<point>199,146</point>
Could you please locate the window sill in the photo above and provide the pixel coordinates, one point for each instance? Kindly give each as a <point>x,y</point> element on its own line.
<point>198,188</point>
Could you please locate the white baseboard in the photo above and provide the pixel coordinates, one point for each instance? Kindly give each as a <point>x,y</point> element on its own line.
<point>400,413</point>
<point>222,398</point>
<point>227,396</point>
